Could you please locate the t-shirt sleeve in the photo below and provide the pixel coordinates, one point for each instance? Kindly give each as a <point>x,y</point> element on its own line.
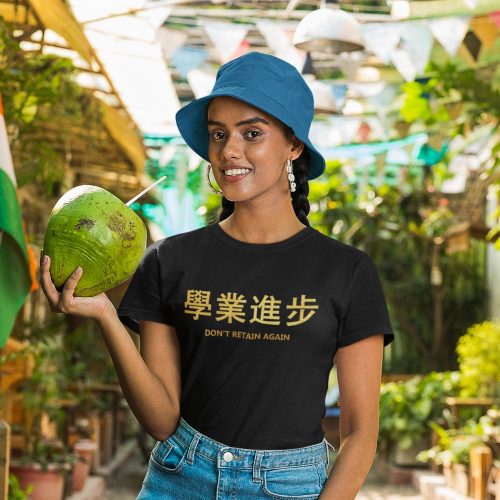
<point>143,298</point>
<point>366,312</point>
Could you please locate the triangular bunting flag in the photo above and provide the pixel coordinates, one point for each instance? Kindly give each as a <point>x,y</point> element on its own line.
<point>471,45</point>
<point>170,41</point>
<point>495,17</point>
<point>381,39</point>
<point>449,32</point>
<point>226,37</point>
<point>279,38</point>
<point>201,82</point>
<point>485,29</point>
<point>417,41</point>
<point>241,50</point>
<point>308,68</point>
<point>403,63</point>
<point>187,58</point>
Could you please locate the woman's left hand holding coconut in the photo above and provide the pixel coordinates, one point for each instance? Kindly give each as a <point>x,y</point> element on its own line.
<point>94,242</point>
<point>65,301</point>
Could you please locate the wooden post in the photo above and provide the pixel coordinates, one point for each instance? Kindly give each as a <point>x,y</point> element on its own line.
<point>4,459</point>
<point>480,465</point>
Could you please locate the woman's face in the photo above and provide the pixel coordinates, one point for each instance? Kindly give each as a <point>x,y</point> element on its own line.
<point>244,137</point>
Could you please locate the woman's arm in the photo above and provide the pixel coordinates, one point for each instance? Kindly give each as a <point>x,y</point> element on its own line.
<point>150,380</point>
<point>359,372</point>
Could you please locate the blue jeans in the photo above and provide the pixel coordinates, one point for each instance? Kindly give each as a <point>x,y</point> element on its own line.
<point>189,465</point>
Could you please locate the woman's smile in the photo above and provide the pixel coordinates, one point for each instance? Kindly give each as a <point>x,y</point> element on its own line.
<point>235,174</point>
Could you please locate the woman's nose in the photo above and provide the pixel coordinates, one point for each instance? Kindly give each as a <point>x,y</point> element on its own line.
<point>232,147</point>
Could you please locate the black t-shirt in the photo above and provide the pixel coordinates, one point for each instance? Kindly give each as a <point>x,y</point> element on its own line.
<point>258,325</point>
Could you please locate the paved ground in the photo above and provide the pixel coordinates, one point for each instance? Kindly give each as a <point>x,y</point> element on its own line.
<point>126,483</point>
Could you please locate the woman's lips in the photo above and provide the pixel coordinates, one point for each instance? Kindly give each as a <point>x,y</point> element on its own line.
<point>234,178</point>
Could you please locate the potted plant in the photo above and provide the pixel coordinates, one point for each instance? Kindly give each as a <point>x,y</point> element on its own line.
<point>84,449</point>
<point>15,490</point>
<point>478,353</point>
<point>452,451</point>
<point>406,407</point>
<point>44,460</point>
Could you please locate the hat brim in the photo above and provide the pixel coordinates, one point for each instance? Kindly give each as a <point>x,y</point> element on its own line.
<point>192,122</point>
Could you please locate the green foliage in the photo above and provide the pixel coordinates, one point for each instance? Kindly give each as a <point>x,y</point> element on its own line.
<point>40,393</point>
<point>406,407</point>
<point>398,230</point>
<point>15,490</point>
<point>478,357</point>
<point>40,94</point>
<point>454,445</point>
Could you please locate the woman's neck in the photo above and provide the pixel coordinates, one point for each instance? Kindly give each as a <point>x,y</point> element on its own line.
<point>255,227</point>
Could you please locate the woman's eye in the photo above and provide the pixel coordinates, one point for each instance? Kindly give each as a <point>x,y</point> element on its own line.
<point>253,134</point>
<point>217,135</point>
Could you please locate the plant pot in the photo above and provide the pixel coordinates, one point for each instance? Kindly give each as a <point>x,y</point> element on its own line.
<point>48,484</point>
<point>84,449</point>
<point>461,479</point>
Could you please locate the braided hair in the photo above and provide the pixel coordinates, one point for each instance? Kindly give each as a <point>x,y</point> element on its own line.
<point>300,201</point>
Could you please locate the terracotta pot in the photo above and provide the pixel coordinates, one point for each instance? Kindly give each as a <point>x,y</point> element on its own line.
<point>46,484</point>
<point>84,448</point>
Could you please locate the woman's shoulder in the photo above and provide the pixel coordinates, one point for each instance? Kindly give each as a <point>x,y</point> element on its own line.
<point>339,249</point>
<point>180,239</point>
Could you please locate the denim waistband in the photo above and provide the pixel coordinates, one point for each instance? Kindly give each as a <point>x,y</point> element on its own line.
<point>243,458</point>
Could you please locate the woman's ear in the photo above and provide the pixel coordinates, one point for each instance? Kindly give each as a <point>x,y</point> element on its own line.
<point>297,148</point>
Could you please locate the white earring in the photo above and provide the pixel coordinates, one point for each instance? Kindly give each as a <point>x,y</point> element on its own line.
<point>291,177</point>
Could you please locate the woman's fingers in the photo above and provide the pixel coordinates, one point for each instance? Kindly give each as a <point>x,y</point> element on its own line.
<point>69,287</point>
<point>48,286</point>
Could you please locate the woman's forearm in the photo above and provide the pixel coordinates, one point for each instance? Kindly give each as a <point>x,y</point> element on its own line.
<point>352,464</point>
<point>146,395</point>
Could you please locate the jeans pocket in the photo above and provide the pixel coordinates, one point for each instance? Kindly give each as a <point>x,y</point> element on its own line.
<point>168,455</point>
<point>302,482</point>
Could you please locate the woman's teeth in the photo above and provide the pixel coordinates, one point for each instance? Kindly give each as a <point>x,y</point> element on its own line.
<point>237,171</point>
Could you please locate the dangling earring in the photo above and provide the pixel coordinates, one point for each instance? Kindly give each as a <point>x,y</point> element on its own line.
<point>291,177</point>
<point>220,193</point>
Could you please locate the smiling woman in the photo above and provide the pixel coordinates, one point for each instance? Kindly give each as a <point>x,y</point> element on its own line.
<point>255,148</point>
<point>237,412</point>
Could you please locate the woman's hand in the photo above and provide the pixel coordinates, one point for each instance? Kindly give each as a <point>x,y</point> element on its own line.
<point>66,302</point>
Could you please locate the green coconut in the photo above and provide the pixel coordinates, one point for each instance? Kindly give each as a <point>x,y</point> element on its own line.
<point>92,228</point>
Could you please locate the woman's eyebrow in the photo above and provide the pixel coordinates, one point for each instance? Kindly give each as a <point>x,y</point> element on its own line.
<point>250,121</point>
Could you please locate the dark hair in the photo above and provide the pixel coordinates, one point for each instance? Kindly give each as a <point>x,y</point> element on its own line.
<point>300,201</point>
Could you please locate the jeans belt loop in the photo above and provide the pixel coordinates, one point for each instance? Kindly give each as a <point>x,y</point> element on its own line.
<point>192,448</point>
<point>256,466</point>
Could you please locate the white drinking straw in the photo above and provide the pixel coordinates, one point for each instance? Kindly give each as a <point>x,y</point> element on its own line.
<point>145,191</point>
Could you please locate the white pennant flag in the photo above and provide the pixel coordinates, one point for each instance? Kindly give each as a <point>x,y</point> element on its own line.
<point>403,63</point>
<point>226,37</point>
<point>450,32</point>
<point>381,39</point>
<point>279,38</point>
<point>417,41</point>
<point>201,82</point>
<point>170,41</point>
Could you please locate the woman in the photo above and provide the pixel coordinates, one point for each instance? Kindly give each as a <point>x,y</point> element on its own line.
<point>241,320</point>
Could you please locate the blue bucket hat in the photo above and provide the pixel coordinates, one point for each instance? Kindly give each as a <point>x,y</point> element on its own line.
<point>265,82</point>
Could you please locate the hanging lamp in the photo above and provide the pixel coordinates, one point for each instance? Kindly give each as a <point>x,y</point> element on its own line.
<point>329,30</point>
